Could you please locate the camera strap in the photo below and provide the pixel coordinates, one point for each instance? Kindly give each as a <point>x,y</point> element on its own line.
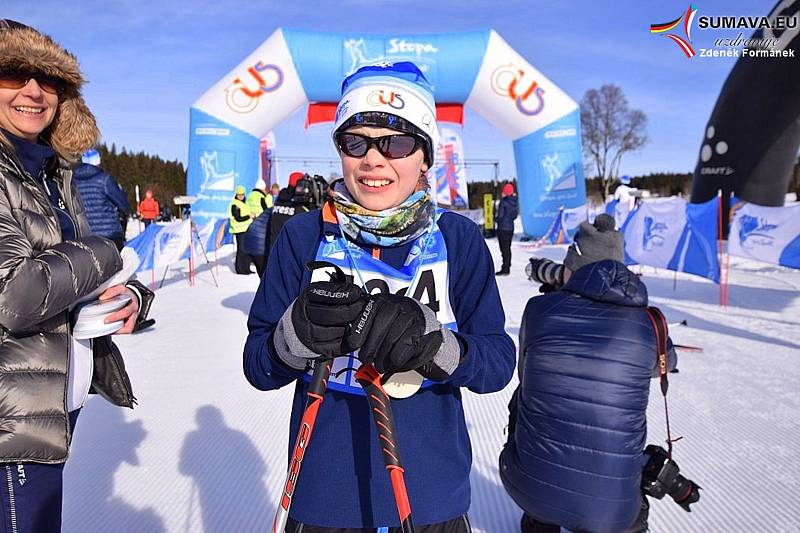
<point>661,329</point>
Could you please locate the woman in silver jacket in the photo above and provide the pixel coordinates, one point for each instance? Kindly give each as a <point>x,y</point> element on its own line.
<point>48,260</point>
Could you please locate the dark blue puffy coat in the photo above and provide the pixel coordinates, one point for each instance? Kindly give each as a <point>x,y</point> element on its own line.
<point>507,211</point>
<point>575,457</point>
<point>102,196</point>
<point>255,238</point>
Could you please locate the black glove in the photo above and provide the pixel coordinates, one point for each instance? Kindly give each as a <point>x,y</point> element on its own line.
<point>318,320</point>
<point>397,334</point>
<point>322,315</point>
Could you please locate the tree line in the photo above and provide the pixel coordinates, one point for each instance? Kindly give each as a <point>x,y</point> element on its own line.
<point>659,184</point>
<point>166,179</point>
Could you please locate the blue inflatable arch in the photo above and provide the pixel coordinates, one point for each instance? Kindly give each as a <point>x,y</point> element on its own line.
<point>476,69</point>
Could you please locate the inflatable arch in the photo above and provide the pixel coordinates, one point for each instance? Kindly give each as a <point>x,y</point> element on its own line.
<point>751,140</point>
<point>478,69</point>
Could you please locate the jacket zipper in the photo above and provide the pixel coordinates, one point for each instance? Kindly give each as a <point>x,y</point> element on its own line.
<point>12,505</point>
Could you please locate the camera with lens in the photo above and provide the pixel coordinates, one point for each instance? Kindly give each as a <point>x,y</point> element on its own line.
<point>310,191</point>
<point>662,476</point>
<point>545,272</point>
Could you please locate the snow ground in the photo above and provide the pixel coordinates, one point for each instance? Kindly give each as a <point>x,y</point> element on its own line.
<point>204,451</point>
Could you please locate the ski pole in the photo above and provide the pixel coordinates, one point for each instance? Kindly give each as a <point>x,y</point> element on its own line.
<point>687,348</point>
<point>316,394</point>
<point>370,381</point>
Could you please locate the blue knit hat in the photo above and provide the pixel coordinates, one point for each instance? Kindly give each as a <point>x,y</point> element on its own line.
<point>91,157</point>
<point>390,95</point>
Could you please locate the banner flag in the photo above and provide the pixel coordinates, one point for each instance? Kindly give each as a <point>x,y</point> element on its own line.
<point>449,171</point>
<point>675,235</point>
<point>161,245</point>
<point>769,234</point>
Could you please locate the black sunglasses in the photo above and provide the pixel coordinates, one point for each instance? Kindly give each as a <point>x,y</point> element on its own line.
<point>17,79</point>
<point>390,146</point>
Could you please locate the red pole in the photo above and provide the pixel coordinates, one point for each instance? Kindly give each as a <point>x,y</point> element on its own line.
<point>727,275</point>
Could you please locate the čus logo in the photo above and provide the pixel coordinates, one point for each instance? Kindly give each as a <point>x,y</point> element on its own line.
<point>380,97</point>
<point>653,233</point>
<point>507,81</point>
<point>755,231</point>
<point>263,79</point>
<point>683,44</point>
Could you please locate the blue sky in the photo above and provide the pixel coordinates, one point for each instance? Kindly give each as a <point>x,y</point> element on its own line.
<point>147,62</point>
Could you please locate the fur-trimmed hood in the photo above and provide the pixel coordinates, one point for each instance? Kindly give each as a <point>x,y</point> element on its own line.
<point>74,128</point>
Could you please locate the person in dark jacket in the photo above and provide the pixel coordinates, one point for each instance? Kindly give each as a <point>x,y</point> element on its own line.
<point>48,261</point>
<point>578,423</point>
<point>255,240</point>
<point>507,212</point>
<point>432,317</point>
<point>103,197</point>
<point>285,207</point>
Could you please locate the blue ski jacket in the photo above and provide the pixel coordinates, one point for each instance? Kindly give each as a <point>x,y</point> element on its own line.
<point>578,425</point>
<point>102,196</point>
<point>255,238</point>
<point>507,212</point>
<point>343,482</point>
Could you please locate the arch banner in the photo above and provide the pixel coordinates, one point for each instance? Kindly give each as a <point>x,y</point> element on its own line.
<point>294,68</point>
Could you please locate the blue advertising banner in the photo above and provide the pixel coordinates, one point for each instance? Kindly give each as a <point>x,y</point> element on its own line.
<point>220,158</point>
<point>550,167</point>
<point>449,61</point>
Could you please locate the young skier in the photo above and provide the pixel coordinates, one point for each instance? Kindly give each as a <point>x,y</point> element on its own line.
<point>423,298</point>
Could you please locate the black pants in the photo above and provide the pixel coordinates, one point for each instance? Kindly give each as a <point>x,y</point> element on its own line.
<point>531,525</point>
<point>504,240</point>
<point>456,525</point>
<point>260,262</point>
<point>242,259</point>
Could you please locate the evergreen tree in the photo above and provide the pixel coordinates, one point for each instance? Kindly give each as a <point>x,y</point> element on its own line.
<point>166,179</point>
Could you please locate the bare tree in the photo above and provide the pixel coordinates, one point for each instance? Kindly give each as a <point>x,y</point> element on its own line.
<point>610,130</point>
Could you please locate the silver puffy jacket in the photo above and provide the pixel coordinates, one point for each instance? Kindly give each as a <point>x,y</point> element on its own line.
<point>40,276</point>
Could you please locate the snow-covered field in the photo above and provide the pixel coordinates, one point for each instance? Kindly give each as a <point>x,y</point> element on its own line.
<point>204,451</point>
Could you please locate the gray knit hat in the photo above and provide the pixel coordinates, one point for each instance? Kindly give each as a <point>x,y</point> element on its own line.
<point>595,242</point>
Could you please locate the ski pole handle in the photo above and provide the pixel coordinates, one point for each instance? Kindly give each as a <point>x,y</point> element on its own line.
<point>316,394</point>
<point>379,402</point>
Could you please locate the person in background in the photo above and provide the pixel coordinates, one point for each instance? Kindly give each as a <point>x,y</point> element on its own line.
<point>578,419</point>
<point>626,197</point>
<point>255,240</point>
<point>104,199</point>
<point>286,206</point>
<point>507,212</point>
<point>275,190</point>
<point>240,219</point>
<point>258,200</point>
<point>48,260</point>
<point>148,208</point>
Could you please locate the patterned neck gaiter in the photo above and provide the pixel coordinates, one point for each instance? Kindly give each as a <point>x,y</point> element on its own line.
<point>390,227</point>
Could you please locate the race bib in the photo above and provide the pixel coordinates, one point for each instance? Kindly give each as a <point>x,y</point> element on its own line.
<point>432,288</point>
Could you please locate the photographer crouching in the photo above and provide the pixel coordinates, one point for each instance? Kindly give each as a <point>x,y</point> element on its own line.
<point>575,455</point>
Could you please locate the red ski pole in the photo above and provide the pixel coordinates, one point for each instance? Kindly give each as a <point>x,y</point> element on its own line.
<point>370,381</point>
<point>316,394</point>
